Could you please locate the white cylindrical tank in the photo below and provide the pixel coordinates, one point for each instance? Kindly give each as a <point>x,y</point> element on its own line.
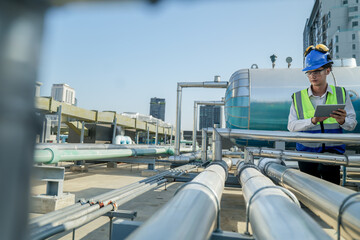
<point>261,98</point>
<point>123,140</point>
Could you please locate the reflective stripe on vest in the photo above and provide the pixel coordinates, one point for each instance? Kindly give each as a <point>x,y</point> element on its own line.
<point>305,110</point>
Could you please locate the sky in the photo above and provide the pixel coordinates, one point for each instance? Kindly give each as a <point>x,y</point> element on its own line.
<point>119,55</point>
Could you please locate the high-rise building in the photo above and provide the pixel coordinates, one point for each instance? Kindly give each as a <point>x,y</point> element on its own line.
<point>209,115</point>
<point>335,23</point>
<point>63,93</point>
<point>157,108</point>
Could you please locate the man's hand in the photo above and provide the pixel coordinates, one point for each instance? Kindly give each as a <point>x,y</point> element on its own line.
<point>339,116</point>
<point>315,120</point>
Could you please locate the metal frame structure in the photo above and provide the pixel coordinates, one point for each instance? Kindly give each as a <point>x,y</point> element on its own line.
<point>195,121</point>
<point>215,84</point>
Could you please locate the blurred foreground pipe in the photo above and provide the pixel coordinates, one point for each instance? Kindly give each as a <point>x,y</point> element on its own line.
<point>322,197</point>
<point>273,214</point>
<point>21,26</point>
<point>191,213</point>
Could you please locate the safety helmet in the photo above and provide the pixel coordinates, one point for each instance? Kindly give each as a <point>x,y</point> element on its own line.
<point>316,58</point>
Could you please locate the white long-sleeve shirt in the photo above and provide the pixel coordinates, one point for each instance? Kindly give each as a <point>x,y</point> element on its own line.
<point>295,124</point>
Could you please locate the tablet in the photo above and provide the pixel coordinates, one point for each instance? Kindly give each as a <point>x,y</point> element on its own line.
<point>327,109</point>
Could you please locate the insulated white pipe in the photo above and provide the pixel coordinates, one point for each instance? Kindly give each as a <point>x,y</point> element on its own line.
<point>191,213</point>
<point>336,159</point>
<point>273,214</point>
<point>322,197</point>
<point>347,138</point>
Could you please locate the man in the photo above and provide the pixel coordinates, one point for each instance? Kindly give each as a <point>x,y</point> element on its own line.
<point>301,118</point>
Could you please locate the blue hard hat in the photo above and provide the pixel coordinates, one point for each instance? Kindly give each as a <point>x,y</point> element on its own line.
<point>316,59</point>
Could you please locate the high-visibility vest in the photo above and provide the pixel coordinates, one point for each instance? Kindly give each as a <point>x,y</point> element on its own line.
<point>305,110</point>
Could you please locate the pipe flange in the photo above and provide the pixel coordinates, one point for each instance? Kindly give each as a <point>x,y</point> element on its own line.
<point>342,208</point>
<point>223,165</point>
<point>268,161</point>
<point>286,191</point>
<point>55,155</point>
<point>242,166</point>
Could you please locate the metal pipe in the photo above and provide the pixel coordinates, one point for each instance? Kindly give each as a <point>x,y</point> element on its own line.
<point>204,145</point>
<point>59,124</point>
<point>181,85</point>
<point>75,223</point>
<point>20,45</point>
<point>178,119</point>
<point>217,145</point>
<point>148,136</point>
<point>156,133</point>
<point>335,159</point>
<point>92,146</point>
<point>85,210</point>
<point>194,126</point>
<point>70,210</point>
<point>206,84</point>
<point>77,215</point>
<point>82,132</point>
<point>114,131</point>
<point>185,158</point>
<point>196,202</point>
<point>348,138</point>
<point>171,136</point>
<point>52,155</point>
<point>206,103</point>
<point>322,197</point>
<point>272,213</point>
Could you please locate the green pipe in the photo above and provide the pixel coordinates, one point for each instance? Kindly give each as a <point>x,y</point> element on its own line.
<point>52,155</point>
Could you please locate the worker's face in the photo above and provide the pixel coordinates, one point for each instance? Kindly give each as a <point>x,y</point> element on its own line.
<point>318,76</point>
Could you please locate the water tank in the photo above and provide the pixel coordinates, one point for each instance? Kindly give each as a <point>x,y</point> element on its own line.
<point>123,140</point>
<point>261,98</point>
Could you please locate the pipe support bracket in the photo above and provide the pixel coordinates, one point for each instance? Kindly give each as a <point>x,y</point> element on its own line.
<point>242,166</point>
<point>342,208</point>
<point>223,165</point>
